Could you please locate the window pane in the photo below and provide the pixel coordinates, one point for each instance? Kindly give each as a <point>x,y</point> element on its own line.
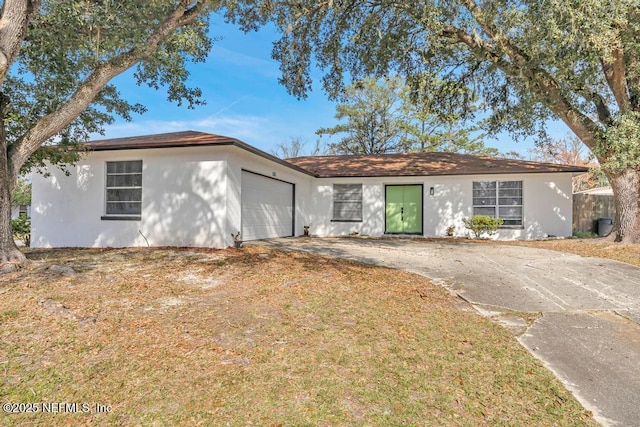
<point>124,208</point>
<point>134,166</point>
<point>484,211</point>
<point>347,202</point>
<point>511,215</point>
<point>484,193</point>
<point>510,184</point>
<point>124,180</point>
<point>347,211</point>
<point>123,185</point>
<point>481,201</point>
<point>510,212</point>
<point>503,201</point>
<point>124,195</point>
<point>347,192</point>
<point>484,185</point>
<point>347,196</point>
<point>511,192</point>
<point>499,198</point>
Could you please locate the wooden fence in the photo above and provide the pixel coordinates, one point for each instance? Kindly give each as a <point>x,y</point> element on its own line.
<point>587,208</point>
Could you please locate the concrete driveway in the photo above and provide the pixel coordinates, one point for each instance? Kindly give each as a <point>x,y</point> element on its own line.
<point>589,331</point>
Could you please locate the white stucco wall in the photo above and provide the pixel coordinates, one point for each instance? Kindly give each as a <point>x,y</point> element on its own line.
<point>547,203</point>
<point>191,197</point>
<point>183,201</point>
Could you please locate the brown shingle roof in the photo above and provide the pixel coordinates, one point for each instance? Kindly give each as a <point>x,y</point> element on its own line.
<point>187,138</point>
<point>408,164</point>
<point>421,164</point>
<point>181,139</point>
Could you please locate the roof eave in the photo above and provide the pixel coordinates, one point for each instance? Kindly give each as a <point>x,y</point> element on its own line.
<point>176,144</point>
<point>573,172</point>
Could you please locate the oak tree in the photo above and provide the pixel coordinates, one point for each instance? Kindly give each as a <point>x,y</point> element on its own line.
<point>57,59</point>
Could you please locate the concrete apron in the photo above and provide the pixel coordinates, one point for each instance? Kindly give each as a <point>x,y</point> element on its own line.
<point>587,334</point>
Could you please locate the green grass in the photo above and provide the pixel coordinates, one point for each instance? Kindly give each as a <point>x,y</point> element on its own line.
<point>584,235</point>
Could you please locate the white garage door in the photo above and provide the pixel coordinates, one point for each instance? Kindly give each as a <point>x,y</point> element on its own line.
<point>267,207</point>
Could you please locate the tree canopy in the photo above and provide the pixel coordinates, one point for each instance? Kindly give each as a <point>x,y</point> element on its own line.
<point>527,61</point>
<point>57,59</point>
<point>22,193</point>
<point>372,122</point>
<point>382,116</point>
<point>66,54</point>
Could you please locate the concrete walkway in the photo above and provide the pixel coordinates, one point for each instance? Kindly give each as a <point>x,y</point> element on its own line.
<point>589,331</point>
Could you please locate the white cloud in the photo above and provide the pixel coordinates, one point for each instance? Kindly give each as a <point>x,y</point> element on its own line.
<point>267,68</point>
<point>258,131</point>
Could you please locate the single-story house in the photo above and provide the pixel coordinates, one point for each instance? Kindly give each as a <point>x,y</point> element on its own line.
<point>20,210</point>
<point>598,191</point>
<point>197,189</point>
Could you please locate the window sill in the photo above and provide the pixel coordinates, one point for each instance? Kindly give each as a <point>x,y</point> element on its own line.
<point>511,227</point>
<point>120,218</point>
<point>346,220</point>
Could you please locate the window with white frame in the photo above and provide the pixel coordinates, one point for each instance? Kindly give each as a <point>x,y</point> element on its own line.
<point>124,189</point>
<point>501,199</point>
<point>347,202</point>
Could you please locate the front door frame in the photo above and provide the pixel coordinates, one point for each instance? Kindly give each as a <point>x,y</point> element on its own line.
<point>419,233</point>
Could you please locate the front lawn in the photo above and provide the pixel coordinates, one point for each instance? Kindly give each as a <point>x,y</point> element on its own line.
<point>258,337</point>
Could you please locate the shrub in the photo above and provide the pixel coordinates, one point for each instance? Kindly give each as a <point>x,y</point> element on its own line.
<point>21,227</point>
<point>584,235</point>
<point>451,230</point>
<point>480,224</point>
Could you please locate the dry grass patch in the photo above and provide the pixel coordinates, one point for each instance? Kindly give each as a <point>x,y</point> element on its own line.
<point>600,248</point>
<point>258,337</point>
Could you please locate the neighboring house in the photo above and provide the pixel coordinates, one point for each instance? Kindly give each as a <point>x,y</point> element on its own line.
<point>18,210</point>
<point>599,191</point>
<point>197,189</point>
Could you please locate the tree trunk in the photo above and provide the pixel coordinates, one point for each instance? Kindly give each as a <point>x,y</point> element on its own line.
<point>11,258</point>
<point>626,188</point>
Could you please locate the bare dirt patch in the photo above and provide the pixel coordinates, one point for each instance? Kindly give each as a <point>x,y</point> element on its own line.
<point>258,337</point>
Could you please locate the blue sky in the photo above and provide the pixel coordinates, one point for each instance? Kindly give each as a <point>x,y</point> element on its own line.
<point>239,81</point>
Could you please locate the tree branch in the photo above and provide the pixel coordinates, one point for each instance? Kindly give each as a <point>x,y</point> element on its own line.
<point>615,72</point>
<point>54,122</point>
<point>633,82</point>
<point>14,20</point>
<point>523,62</point>
<point>542,85</point>
<point>504,43</point>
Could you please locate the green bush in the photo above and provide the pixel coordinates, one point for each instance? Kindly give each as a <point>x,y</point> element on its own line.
<point>584,235</point>
<point>480,224</point>
<point>21,227</point>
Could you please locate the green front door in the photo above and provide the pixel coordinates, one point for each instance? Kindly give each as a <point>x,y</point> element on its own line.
<point>403,210</point>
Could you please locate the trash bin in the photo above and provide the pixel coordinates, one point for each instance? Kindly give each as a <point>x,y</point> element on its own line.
<point>605,225</point>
